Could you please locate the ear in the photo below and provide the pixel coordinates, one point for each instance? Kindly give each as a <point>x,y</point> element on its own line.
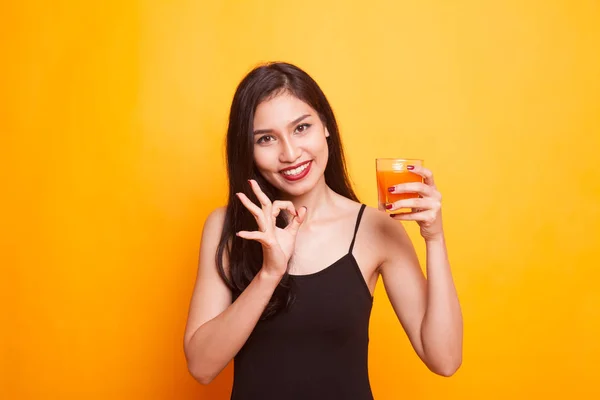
<point>326,133</point>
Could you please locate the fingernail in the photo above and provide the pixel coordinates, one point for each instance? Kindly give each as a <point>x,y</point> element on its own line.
<point>410,167</point>
<point>391,189</point>
<point>388,206</point>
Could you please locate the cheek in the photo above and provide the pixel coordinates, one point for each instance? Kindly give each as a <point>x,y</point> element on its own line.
<point>322,148</point>
<point>325,156</point>
<point>263,159</point>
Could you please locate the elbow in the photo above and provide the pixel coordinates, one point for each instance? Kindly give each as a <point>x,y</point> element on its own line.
<point>443,359</point>
<point>204,379</point>
<point>200,374</point>
<point>447,371</point>
<point>199,370</point>
<point>443,363</point>
<point>196,368</point>
<point>447,368</point>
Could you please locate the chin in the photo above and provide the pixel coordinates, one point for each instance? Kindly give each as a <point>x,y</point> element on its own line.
<point>295,191</point>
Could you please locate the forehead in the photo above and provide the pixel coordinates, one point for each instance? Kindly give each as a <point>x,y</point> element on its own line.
<point>279,111</point>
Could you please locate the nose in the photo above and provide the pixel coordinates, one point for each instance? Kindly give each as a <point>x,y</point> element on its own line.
<point>289,151</point>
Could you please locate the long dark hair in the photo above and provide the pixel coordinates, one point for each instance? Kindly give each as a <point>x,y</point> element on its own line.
<point>245,256</point>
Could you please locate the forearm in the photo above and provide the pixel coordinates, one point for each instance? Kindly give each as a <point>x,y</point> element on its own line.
<point>217,341</point>
<point>442,326</point>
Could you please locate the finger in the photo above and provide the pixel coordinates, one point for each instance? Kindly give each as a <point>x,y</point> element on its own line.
<point>260,195</point>
<point>257,236</point>
<point>279,205</point>
<point>424,172</point>
<point>425,216</point>
<point>297,221</point>
<point>419,202</point>
<point>413,187</point>
<point>254,210</point>
<point>250,235</point>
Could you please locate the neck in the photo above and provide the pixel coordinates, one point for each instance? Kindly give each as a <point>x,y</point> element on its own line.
<point>318,202</point>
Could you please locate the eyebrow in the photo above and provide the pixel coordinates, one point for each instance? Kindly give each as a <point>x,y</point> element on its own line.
<point>294,122</point>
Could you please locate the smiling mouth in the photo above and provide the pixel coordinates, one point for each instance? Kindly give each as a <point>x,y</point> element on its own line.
<point>296,172</point>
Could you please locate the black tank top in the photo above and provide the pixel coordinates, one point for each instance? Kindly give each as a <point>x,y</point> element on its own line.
<point>317,349</point>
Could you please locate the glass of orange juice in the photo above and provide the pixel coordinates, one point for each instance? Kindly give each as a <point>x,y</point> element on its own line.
<point>393,171</point>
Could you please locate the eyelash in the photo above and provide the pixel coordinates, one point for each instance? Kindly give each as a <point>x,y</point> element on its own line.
<point>305,125</point>
<point>263,138</point>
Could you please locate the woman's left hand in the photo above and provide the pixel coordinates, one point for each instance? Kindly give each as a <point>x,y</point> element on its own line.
<point>426,210</point>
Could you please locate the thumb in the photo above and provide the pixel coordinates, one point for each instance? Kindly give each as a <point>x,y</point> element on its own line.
<point>297,221</point>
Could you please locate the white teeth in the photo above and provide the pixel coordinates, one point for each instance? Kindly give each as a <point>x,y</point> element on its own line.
<point>295,171</point>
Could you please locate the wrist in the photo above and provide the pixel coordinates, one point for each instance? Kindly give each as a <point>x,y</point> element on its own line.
<point>266,274</point>
<point>435,240</point>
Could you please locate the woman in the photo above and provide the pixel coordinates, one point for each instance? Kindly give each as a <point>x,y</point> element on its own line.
<point>288,268</point>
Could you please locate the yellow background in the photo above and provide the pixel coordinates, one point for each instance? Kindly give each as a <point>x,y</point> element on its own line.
<point>112,122</point>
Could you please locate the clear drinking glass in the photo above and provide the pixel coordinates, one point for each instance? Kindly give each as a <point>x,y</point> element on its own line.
<point>390,172</point>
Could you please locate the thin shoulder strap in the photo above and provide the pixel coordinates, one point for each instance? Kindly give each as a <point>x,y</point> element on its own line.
<point>360,213</point>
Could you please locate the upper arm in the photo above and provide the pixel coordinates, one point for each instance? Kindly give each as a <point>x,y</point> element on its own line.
<point>403,279</point>
<point>211,296</point>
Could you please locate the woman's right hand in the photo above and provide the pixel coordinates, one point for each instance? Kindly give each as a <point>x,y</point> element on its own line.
<point>277,243</point>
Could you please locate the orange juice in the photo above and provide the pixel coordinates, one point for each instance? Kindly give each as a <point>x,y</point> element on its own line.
<point>392,172</point>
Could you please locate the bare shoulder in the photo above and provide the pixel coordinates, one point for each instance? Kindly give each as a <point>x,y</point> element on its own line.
<point>373,221</point>
<point>379,223</point>
<point>211,236</point>
<point>215,221</point>
<point>385,233</point>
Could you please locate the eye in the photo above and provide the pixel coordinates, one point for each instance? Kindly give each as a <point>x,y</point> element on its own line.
<point>302,127</point>
<point>265,139</point>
